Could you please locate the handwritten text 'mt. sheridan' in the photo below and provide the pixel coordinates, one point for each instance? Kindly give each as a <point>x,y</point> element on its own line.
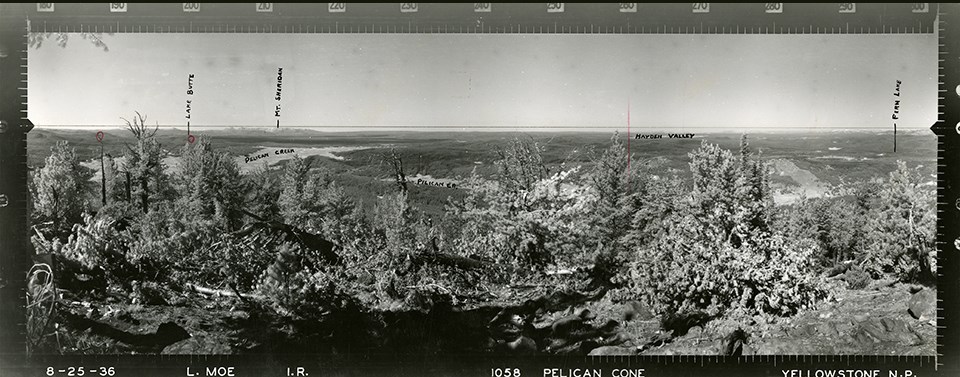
<point>276,113</point>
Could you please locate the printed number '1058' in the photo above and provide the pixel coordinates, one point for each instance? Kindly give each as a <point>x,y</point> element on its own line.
<point>505,372</point>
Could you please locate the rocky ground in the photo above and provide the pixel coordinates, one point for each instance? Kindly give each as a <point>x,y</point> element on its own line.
<point>883,319</point>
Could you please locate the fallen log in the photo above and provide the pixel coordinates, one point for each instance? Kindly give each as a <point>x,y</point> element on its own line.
<point>306,239</point>
<point>222,292</point>
<point>167,333</point>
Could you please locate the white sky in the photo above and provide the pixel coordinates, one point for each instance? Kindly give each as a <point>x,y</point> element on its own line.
<point>423,80</point>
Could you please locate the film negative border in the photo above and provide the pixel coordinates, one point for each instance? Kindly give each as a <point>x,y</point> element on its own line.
<point>14,233</point>
<point>618,18</point>
<point>948,186</point>
<point>572,18</point>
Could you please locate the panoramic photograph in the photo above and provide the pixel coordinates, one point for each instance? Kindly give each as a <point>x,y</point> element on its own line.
<point>502,194</point>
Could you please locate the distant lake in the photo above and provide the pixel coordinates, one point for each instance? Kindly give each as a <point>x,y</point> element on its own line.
<point>267,155</point>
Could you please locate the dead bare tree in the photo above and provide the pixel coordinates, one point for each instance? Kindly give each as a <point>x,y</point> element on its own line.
<point>397,163</point>
<point>145,157</point>
<point>139,127</point>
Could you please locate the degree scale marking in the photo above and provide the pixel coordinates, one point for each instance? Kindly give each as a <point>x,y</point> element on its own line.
<point>195,9</point>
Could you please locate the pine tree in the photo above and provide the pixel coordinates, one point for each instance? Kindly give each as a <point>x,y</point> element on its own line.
<point>209,184</point>
<point>145,165</point>
<point>733,194</point>
<point>902,227</point>
<point>60,188</point>
<point>297,192</point>
<point>620,187</point>
<point>263,191</point>
<point>618,199</point>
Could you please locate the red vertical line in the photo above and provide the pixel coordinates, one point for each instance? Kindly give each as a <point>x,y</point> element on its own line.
<point>628,141</point>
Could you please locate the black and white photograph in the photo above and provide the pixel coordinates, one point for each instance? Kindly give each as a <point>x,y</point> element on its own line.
<point>504,194</point>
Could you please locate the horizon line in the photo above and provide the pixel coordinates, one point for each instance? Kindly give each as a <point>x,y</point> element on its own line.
<point>474,128</point>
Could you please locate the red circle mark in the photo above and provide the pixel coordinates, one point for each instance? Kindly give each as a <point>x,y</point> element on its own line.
<point>191,139</point>
<point>100,136</point>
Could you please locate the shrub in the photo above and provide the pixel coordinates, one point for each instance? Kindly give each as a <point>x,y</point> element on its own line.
<point>529,229</point>
<point>857,278</point>
<point>242,263</point>
<point>714,249</point>
<point>180,245</point>
<point>297,286</point>
<point>767,274</point>
<point>97,244</point>
<point>835,223</point>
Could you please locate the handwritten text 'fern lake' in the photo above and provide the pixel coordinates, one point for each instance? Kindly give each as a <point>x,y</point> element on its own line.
<point>660,136</point>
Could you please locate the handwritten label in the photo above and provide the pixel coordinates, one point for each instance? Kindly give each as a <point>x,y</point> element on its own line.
<point>189,106</point>
<point>896,113</point>
<point>249,159</point>
<point>628,7</point>
<point>896,103</point>
<point>189,95</point>
<point>482,7</point>
<point>45,7</point>
<point>773,7</point>
<point>191,7</point>
<point>437,184</point>
<point>265,7</point>
<point>554,7</point>
<point>118,7</point>
<point>276,112</point>
<point>660,136</point>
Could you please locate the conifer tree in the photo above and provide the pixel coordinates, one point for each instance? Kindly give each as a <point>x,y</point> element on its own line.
<point>59,188</point>
<point>148,180</point>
